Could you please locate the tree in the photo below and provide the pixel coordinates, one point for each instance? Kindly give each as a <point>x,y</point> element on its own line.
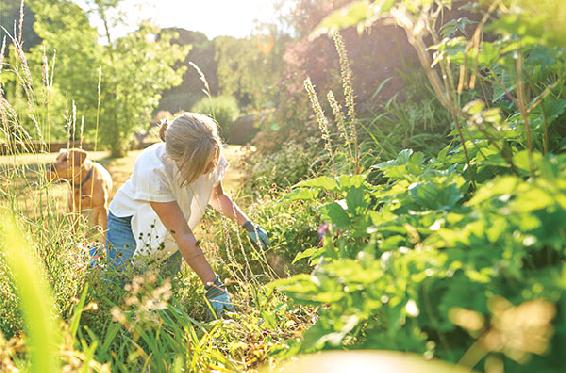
<point>42,110</point>
<point>139,67</point>
<point>10,12</point>
<point>202,53</point>
<point>72,43</point>
<point>250,68</point>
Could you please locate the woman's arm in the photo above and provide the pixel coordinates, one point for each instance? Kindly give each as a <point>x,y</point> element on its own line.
<point>172,217</point>
<point>222,203</point>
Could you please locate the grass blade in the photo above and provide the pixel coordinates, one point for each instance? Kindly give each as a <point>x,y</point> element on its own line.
<point>35,296</point>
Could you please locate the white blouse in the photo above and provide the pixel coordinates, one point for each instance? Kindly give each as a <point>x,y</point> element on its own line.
<point>156,179</point>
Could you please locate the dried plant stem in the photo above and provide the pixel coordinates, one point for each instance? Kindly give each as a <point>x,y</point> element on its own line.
<point>340,123</point>
<point>346,77</point>
<point>202,78</point>
<point>2,51</point>
<point>321,119</point>
<point>444,99</point>
<point>25,80</point>
<point>206,89</point>
<point>45,75</point>
<point>3,115</point>
<point>98,107</point>
<point>21,23</point>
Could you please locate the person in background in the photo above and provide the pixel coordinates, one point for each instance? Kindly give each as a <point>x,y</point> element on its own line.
<point>155,211</point>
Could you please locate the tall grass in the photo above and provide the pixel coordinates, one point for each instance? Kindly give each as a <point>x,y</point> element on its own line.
<point>35,296</point>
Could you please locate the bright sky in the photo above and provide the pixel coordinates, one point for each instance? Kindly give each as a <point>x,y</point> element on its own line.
<point>212,17</point>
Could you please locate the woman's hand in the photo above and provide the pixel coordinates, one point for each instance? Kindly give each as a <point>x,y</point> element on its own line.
<point>218,297</point>
<point>224,204</point>
<point>258,235</point>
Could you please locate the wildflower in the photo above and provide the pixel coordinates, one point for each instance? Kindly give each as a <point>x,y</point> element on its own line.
<point>319,114</point>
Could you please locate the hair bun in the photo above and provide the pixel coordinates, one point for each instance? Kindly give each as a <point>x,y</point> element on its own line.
<point>163,129</point>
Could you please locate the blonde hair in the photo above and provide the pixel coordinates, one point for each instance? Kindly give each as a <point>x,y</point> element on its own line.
<point>192,141</point>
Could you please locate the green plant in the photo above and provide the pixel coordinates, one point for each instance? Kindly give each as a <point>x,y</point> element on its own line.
<point>459,255</point>
<point>411,119</point>
<point>224,109</point>
<point>285,167</point>
<point>128,95</point>
<point>36,299</point>
<point>393,248</point>
<point>127,75</point>
<point>455,253</point>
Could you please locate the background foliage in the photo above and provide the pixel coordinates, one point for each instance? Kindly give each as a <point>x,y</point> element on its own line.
<point>224,109</point>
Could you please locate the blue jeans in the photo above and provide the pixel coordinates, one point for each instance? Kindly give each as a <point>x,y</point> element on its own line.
<point>120,241</point>
<point>121,244</point>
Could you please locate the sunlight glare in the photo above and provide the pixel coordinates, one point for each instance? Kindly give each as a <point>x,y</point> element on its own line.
<point>212,17</point>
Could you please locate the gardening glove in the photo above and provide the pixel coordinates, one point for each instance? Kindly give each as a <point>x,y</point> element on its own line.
<point>94,254</point>
<point>218,297</point>
<point>257,235</point>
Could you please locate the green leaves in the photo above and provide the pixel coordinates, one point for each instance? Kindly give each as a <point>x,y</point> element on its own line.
<point>353,14</point>
<point>482,219</point>
<point>310,253</point>
<point>337,215</point>
<point>458,50</point>
<point>406,164</point>
<point>323,182</point>
<point>356,200</point>
<point>302,195</point>
<point>359,14</point>
<point>401,256</point>
<point>553,107</point>
<point>434,195</point>
<point>534,22</point>
<point>455,25</point>
<point>501,186</point>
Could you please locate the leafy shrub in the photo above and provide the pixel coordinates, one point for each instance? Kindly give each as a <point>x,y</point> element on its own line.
<point>224,109</point>
<point>459,256</point>
<point>286,166</point>
<point>402,258</point>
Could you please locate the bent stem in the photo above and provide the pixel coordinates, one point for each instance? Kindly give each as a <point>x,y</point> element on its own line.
<point>415,39</point>
<point>521,101</point>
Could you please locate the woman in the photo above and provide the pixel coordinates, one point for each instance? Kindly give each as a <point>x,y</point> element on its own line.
<point>155,211</point>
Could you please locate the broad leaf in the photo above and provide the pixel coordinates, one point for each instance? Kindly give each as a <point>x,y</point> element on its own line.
<point>323,182</point>
<point>337,215</point>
